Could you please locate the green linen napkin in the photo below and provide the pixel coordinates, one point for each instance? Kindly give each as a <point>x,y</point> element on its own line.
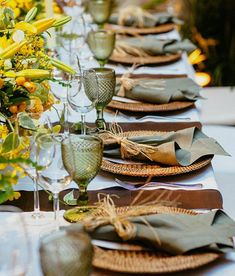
<point>148,22</point>
<point>161,91</point>
<point>181,148</point>
<point>154,46</point>
<point>178,233</point>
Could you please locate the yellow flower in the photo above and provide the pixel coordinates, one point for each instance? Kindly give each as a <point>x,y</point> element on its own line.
<point>15,195</point>
<point>16,12</point>
<point>3,131</point>
<point>50,102</point>
<point>4,43</point>
<point>35,105</point>
<point>2,166</point>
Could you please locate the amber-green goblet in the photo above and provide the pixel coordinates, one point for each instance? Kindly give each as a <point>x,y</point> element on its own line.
<point>82,157</point>
<point>101,44</point>
<point>106,79</point>
<point>100,11</point>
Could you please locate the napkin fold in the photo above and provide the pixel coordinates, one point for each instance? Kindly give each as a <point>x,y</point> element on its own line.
<point>148,21</point>
<point>181,148</point>
<point>153,46</point>
<point>178,233</point>
<point>159,91</point>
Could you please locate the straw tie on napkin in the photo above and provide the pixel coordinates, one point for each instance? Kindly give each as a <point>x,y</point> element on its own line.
<point>175,233</point>
<point>151,46</point>
<point>159,91</point>
<point>133,16</point>
<point>181,148</point>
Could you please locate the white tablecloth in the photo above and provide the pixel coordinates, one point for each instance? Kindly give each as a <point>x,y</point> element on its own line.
<point>104,181</point>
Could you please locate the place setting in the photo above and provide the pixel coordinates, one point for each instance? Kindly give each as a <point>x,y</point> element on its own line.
<point>106,171</point>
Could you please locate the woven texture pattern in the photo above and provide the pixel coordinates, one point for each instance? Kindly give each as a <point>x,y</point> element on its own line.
<point>129,59</point>
<point>145,170</point>
<point>147,107</point>
<point>147,261</point>
<point>135,31</point>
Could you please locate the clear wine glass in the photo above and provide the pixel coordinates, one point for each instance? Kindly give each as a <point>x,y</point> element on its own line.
<point>101,44</point>
<point>80,97</point>
<point>73,38</point>
<point>43,124</point>
<point>100,11</point>
<point>106,88</point>
<point>14,245</point>
<point>59,88</point>
<point>55,177</point>
<point>82,157</point>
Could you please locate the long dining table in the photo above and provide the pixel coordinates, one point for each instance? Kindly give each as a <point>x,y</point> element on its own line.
<point>207,198</point>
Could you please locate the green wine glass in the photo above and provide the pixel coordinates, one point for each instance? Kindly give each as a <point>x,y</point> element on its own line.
<point>82,157</point>
<point>106,88</point>
<point>100,10</point>
<point>101,44</point>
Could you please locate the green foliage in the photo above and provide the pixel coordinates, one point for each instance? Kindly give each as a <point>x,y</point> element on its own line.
<point>6,189</point>
<point>25,121</point>
<point>151,4</point>
<point>11,142</point>
<point>69,199</point>
<point>213,20</point>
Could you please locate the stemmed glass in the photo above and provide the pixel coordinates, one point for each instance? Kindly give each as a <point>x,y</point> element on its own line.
<point>101,44</point>
<point>55,177</point>
<point>59,89</point>
<point>106,89</point>
<point>80,97</point>
<point>82,157</point>
<point>32,171</point>
<point>100,11</point>
<point>73,38</point>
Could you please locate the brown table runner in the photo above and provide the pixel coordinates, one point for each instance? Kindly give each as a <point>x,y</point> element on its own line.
<point>197,199</point>
<point>191,199</point>
<point>159,126</point>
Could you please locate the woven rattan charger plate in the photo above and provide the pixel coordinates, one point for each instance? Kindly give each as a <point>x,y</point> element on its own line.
<point>146,170</point>
<point>147,107</point>
<point>147,261</point>
<point>164,28</point>
<point>129,59</point>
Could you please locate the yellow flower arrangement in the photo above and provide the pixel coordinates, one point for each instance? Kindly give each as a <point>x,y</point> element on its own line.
<point>25,69</point>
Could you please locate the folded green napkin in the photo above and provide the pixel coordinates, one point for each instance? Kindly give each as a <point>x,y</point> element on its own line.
<point>178,233</point>
<point>153,46</point>
<point>148,22</point>
<point>161,91</point>
<point>181,148</point>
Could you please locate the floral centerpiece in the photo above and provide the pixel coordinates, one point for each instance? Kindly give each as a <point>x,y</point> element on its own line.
<point>25,68</point>
<point>21,7</point>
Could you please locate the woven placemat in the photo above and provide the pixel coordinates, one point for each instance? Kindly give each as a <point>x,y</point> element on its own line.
<point>147,107</point>
<point>147,261</point>
<point>129,59</point>
<point>146,170</point>
<point>164,28</point>
<point>143,169</point>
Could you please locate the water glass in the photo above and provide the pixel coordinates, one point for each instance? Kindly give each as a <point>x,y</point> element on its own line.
<point>80,97</point>
<point>59,88</point>
<point>82,157</point>
<point>101,44</point>
<point>55,177</point>
<point>106,88</point>
<point>100,11</point>
<point>43,124</point>
<point>73,38</point>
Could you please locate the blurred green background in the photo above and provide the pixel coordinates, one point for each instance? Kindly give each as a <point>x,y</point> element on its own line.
<point>210,24</point>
